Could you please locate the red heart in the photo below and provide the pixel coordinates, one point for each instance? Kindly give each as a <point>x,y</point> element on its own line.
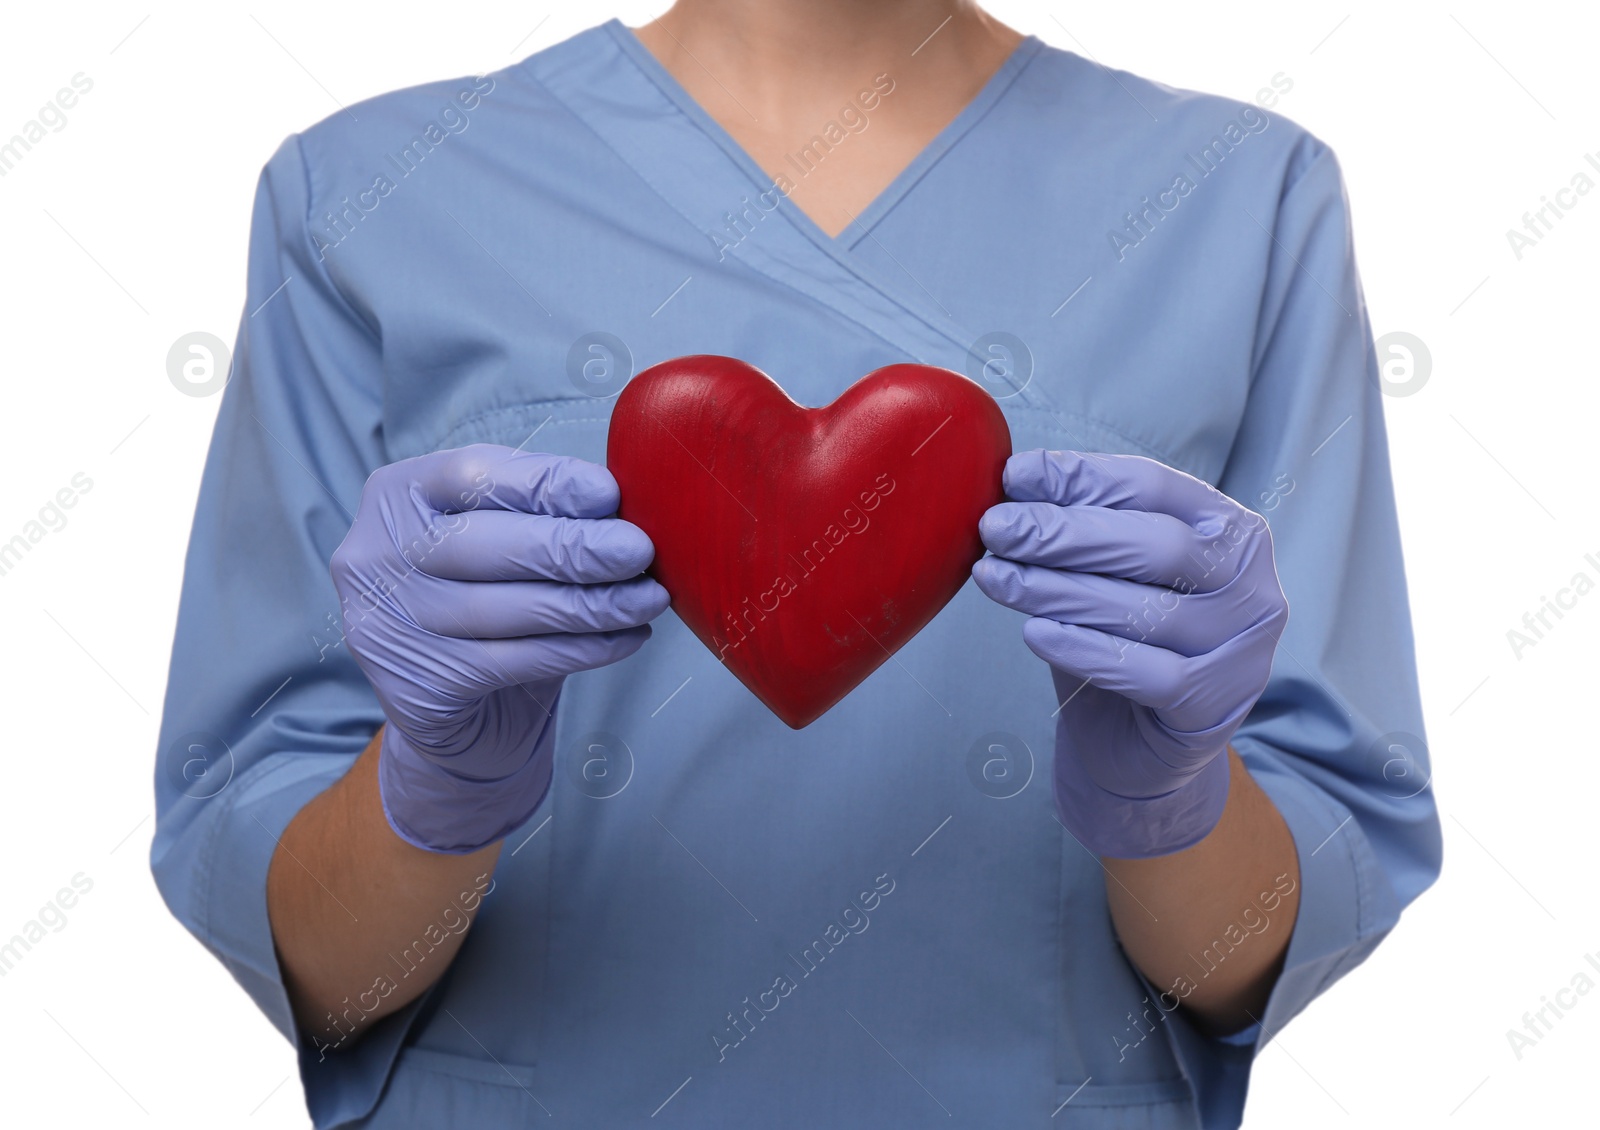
<point>805,546</point>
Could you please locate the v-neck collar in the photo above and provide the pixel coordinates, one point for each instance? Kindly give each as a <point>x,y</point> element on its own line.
<point>990,93</point>
<point>611,83</point>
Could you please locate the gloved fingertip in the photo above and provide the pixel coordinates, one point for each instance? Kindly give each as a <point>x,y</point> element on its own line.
<point>1020,467</point>
<point>1028,474</point>
<point>1042,475</point>
<point>638,601</point>
<point>657,599</point>
<point>634,636</point>
<point>991,573</point>
<point>624,550</point>
<point>582,489</point>
<point>1013,529</point>
<point>626,641</point>
<point>1046,639</point>
<point>993,526</point>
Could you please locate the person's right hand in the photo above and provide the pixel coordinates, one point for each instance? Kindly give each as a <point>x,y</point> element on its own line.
<point>472,582</point>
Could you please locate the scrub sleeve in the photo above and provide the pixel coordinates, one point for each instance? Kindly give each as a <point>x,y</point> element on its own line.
<point>1312,456</point>
<point>298,431</point>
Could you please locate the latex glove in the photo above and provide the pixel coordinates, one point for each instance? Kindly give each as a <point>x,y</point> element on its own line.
<point>472,582</point>
<point>1156,603</point>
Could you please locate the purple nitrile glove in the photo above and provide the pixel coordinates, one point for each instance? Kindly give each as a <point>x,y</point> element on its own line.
<point>473,581</point>
<point>1156,603</point>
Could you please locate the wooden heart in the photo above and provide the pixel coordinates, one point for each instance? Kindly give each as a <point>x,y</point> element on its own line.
<point>805,546</point>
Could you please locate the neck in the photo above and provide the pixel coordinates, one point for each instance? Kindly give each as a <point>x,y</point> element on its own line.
<point>761,52</point>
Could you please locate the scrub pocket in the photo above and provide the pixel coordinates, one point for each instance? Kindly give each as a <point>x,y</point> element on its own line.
<point>429,1088</point>
<point>563,426</point>
<point>1135,1106</point>
<point>1115,1068</point>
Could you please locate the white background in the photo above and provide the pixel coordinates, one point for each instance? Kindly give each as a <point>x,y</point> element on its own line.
<point>127,229</point>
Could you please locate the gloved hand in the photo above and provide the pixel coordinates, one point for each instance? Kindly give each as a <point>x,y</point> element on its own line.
<point>1156,603</point>
<point>472,582</point>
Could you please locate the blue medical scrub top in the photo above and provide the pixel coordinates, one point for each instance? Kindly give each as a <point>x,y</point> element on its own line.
<point>713,919</point>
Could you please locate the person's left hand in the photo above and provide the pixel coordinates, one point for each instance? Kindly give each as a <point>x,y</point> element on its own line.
<point>1156,603</point>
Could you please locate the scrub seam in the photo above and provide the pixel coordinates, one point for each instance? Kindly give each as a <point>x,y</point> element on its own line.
<point>671,203</point>
<point>462,426</point>
<point>1294,178</point>
<point>316,263</point>
<point>1033,49</point>
<point>263,770</point>
<point>665,198</point>
<point>1345,963</point>
<point>627,49</point>
<point>690,113</point>
<point>1109,429</point>
<point>457,429</point>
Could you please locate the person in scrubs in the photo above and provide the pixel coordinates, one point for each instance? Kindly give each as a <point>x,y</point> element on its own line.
<point>494,840</point>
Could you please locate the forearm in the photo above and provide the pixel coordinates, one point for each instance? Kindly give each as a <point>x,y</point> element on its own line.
<point>1210,925</point>
<point>360,917</point>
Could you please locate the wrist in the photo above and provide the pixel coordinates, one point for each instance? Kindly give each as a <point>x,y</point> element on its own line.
<point>432,805</point>
<point>1124,827</point>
